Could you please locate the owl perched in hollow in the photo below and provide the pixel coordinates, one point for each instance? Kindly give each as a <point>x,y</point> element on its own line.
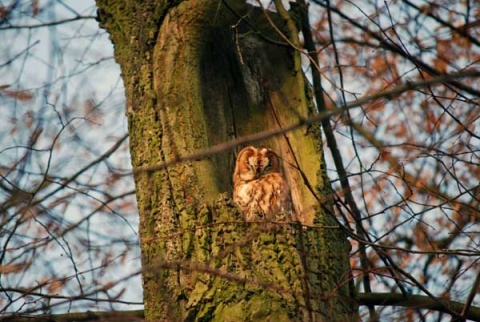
<point>259,188</point>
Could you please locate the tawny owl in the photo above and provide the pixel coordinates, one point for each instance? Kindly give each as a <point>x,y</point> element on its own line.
<point>259,188</point>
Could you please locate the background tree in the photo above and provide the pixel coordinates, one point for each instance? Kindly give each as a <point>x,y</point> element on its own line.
<point>404,160</point>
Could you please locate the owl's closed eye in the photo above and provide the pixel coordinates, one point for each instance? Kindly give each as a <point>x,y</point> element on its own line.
<point>259,188</point>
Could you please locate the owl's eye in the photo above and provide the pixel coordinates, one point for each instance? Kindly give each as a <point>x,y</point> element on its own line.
<point>267,166</point>
<point>250,164</point>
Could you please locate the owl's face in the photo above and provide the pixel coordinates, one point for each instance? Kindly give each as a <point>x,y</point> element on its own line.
<point>253,163</point>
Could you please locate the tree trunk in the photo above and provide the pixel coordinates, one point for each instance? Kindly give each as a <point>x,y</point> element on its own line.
<point>198,74</point>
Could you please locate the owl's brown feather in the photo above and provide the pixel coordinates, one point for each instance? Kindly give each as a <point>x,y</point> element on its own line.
<point>259,188</point>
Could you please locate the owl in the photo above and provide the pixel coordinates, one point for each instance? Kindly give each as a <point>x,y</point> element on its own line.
<point>259,188</point>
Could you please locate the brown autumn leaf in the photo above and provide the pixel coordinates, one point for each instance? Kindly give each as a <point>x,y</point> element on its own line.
<point>378,65</point>
<point>108,285</point>
<point>55,285</point>
<point>13,268</point>
<point>461,42</point>
<point>28,119</point>
<point>20,95</point>
<point>440,64</point>
<point>92,111</point>
<point>35,7</point>
<point>385,155</point>
<point>4,12</point>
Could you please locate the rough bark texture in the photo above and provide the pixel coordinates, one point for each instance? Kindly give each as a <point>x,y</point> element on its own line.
<point>197,74</point>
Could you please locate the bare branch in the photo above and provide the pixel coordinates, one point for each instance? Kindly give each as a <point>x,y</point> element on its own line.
<point>118,316</point>
<point>48,24</point>
<point>417,302</point>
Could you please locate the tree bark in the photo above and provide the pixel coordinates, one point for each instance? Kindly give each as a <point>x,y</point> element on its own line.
<point>197,74</point>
